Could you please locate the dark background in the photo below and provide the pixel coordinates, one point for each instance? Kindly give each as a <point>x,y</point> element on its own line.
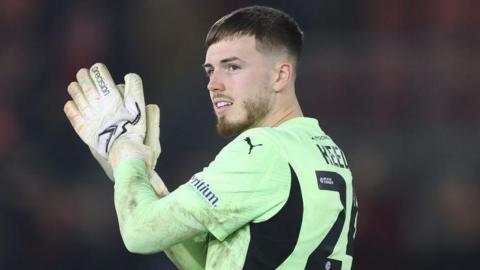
<point>395,82</point>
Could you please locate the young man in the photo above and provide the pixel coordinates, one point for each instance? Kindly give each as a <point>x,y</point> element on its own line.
<point>278,196</point>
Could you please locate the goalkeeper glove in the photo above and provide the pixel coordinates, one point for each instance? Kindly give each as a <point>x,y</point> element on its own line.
<point>100,115</point>
<point>152,133</point>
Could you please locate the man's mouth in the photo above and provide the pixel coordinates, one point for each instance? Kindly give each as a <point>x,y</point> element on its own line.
<point>222,104</point>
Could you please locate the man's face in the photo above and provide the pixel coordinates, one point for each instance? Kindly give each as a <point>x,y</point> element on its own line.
<point>240,79</point>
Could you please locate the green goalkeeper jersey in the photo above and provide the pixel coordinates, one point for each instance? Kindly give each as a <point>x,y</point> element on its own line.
<point>273,198</point>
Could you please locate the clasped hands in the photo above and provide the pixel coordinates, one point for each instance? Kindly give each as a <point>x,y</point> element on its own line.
<point>114,121</point>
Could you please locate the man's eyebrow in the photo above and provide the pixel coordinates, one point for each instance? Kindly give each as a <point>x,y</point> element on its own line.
<point>223,61</point>
<point>230,59</point>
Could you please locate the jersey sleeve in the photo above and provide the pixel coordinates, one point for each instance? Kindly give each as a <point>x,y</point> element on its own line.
<point>248,181</point>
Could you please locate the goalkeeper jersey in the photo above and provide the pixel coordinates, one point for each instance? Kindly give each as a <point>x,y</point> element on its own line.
<point>273,198</point>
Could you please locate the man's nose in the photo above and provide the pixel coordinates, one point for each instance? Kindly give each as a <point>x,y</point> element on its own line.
<point>215,83</point>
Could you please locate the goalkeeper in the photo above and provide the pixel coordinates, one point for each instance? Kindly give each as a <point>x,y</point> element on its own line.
<point>278,196</point>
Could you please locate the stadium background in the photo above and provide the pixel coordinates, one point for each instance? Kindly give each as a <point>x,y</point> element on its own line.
<point>395,82</point>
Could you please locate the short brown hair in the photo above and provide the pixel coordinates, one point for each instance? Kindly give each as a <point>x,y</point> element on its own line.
<point>271,27</point>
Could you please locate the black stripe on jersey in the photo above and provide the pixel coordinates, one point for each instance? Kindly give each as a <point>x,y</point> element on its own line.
<point>272,241</point>
<point>319,258</point>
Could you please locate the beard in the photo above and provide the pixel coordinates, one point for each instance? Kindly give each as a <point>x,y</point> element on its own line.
<point>256,110</point>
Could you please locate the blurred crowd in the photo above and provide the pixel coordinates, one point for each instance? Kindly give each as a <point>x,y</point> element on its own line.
<point>395,82</point>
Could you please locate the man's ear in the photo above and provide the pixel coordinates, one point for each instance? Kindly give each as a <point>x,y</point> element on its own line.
<point>283,76</point>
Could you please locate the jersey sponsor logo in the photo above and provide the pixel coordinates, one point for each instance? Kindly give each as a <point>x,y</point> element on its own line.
<point>249,141</point>
<point>333,155</point>
<point>204,190</point>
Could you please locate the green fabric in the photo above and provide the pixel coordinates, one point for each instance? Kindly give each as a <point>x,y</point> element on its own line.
<point>149,224</point>
<point>249,182</point>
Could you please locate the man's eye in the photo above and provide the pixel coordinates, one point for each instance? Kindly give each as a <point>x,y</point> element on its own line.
<point>232,67</point>
<point>209,72</point>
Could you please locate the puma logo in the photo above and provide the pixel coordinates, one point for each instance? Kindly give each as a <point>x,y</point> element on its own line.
<point>249,141</point>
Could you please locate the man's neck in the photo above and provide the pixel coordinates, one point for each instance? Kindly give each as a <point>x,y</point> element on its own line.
<point>283,114</point>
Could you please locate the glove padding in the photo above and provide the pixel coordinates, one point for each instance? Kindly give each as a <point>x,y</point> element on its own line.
<point>100,115</point>
<point>152,134</point>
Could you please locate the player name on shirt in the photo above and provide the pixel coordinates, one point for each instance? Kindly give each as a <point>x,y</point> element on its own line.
<point>333,155</point>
